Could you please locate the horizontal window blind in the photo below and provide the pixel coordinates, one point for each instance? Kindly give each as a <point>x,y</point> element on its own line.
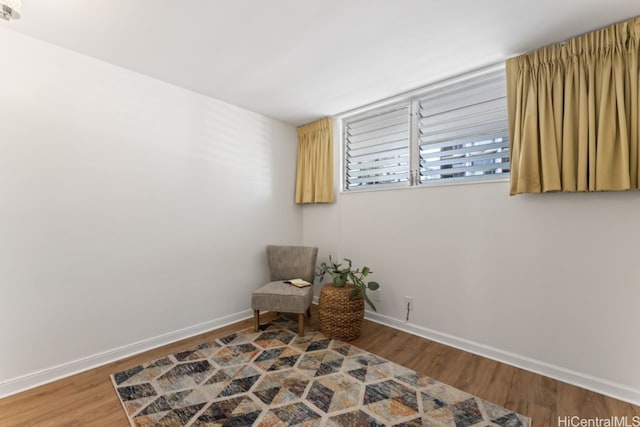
<point>463,130</point>
<point>377,148</point>
<point>453,130</point>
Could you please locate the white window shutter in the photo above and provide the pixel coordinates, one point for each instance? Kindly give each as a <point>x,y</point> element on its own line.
<point>377,148</point>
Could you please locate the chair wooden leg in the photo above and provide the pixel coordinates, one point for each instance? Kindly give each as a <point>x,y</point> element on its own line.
<point>256,320</point>
<point>309,312</point>
<point>301,324</point>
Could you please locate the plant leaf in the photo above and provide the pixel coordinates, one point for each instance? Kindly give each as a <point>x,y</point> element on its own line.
<point>341,276</point>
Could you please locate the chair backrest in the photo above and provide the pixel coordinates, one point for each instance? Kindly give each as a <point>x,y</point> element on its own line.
<point>292,262</point>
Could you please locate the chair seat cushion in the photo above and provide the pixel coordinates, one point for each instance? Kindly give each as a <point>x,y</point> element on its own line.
<point>280,296</point>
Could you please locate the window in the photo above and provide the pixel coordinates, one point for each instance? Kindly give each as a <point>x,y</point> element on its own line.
<point>456,130</point>
<point>377,148</point>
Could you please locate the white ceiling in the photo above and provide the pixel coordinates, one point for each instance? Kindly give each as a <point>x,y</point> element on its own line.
<point>300,60</point>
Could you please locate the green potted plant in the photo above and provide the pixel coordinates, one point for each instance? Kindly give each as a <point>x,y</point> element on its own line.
<point>341,305</point>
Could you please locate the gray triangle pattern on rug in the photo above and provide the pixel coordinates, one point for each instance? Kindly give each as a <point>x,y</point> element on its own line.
<point>275,378</point>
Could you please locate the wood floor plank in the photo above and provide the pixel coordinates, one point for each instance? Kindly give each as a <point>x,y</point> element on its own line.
<point>88,399</point>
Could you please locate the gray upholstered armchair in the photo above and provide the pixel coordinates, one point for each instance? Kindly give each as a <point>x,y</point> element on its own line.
<point>286,262</point>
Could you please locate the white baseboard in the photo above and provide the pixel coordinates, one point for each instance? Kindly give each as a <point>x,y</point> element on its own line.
<point>54,373</point>
<point>599,385</point>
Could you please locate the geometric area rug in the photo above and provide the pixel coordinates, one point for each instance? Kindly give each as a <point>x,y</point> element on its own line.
<point>275,378</point>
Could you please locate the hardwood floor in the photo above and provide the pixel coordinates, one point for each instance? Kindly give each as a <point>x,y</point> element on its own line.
<point>88,399</point>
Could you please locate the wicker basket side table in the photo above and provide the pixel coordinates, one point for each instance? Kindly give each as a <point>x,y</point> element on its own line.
<point>340,316</point>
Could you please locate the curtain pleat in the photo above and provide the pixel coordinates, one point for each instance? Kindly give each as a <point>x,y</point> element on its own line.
<point>573,113</point>
<point>314,176</point>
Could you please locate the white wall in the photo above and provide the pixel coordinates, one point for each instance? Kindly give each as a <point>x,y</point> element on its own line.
<point>550,283</point>
<point>129,209</point>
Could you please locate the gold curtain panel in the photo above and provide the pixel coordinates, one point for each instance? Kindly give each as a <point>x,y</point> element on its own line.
<point>314,177</point>
<point>574,113</point>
